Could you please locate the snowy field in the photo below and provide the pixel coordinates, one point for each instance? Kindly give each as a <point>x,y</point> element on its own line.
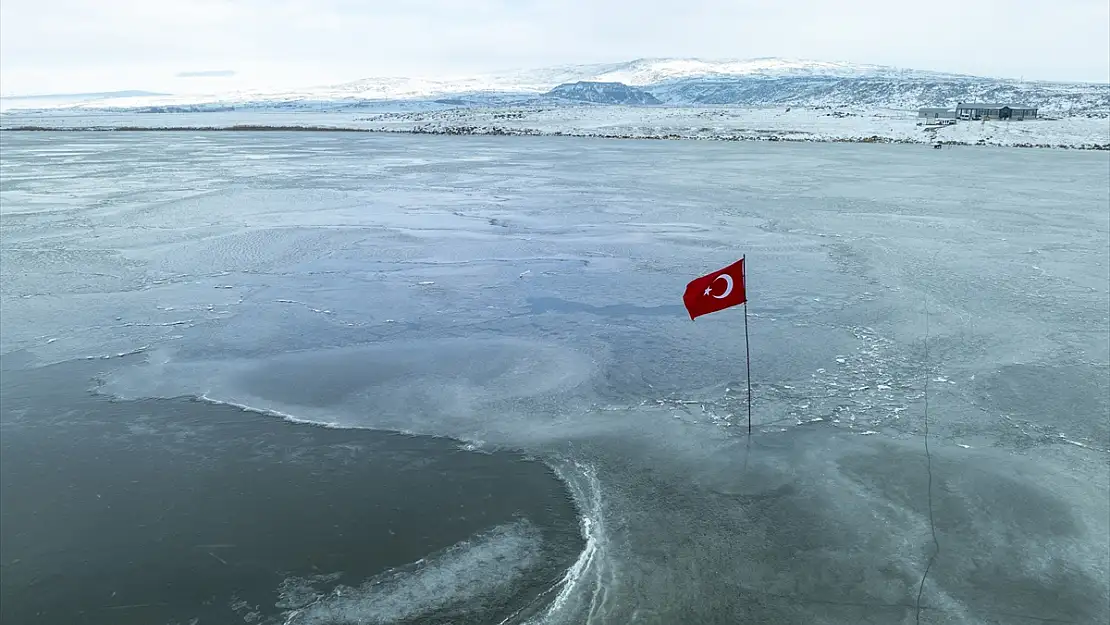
<point>778,124</point>
<point>524,294</point>
<point>830,124</point>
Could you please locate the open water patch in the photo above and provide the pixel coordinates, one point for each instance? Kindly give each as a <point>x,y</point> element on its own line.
<point>183,511</point>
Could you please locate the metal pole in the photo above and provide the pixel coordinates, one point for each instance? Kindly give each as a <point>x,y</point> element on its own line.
<point>747,347</point>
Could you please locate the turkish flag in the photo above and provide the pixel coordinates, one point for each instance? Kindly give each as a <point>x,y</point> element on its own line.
<point>717,291</point>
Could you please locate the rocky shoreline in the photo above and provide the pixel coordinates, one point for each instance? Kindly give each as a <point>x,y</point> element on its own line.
<point>478,130</point>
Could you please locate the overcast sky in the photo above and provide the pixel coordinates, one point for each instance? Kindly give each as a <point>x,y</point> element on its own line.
<point>51,46</point>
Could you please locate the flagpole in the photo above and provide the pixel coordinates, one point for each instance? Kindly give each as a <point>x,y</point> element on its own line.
<point>747,346</point>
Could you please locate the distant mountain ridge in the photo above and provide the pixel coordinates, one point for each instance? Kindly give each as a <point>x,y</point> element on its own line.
<point>670,81</point>
<point>90,95</point>
<point>640,73</point>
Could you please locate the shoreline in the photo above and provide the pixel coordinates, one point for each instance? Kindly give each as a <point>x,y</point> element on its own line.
<point>488,131</point>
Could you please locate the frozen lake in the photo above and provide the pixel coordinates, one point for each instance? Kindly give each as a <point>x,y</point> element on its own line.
<point>522,298</point>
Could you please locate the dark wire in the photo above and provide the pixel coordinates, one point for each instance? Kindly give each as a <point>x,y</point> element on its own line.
<point>929,465</point>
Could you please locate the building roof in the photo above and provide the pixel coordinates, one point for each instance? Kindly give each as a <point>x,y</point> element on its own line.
<point>977,105</point>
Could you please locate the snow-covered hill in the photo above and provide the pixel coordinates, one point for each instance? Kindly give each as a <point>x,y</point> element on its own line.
<point>643,72</point>
<point>678,82</point>
<point>638,73</point>
<point>904,92</point>
<point>602,92</point>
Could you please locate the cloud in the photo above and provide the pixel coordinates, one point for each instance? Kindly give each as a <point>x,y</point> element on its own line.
<point>115,43</point>
<point>210,73</point>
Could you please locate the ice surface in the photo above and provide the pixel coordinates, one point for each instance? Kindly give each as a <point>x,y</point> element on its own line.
<point>488,563</point>
<point>587,360</point>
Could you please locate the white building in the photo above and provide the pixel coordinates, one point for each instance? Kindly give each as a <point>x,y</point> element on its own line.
<point>1016,112</point>
<point>935,115</point>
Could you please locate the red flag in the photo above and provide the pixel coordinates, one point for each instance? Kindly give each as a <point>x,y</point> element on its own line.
<point>716,291</point>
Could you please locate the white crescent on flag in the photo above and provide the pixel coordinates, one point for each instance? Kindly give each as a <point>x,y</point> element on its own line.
<point>728,285</point>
